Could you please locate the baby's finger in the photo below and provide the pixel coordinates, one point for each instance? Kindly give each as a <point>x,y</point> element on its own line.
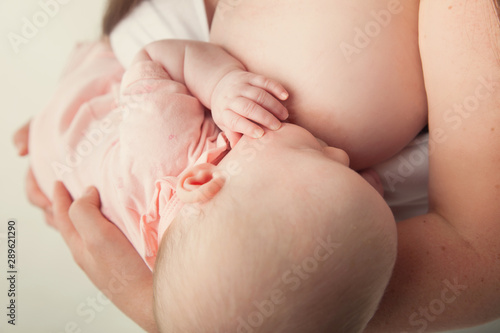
<point>266,100</point>
<point>236,123</point>
<point>254,112</point>
<point>269,85</point>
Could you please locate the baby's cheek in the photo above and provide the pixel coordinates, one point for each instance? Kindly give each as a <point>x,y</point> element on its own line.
<point>372,177</point>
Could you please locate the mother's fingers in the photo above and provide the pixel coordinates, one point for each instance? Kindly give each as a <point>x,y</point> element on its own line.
<point>62,220</point>
<point>92,226</point>
<point>21,139</point>
<point>35,194</point>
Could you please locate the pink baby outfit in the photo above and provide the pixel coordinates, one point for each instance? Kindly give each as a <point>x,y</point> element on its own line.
<point>130,137</point>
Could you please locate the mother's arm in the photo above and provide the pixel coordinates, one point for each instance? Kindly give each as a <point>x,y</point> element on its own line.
<point>447,273</point>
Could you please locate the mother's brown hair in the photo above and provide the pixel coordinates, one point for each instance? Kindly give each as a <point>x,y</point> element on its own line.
<point>497,6</point>
<point>115,12</point>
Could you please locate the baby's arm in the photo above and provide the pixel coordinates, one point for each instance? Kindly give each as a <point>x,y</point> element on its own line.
<point>222,84</point>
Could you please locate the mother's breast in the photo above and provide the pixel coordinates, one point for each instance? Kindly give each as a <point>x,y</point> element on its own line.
<point>352,67</point>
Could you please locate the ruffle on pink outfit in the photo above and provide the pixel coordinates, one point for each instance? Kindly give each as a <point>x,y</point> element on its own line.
<point>130,138</point>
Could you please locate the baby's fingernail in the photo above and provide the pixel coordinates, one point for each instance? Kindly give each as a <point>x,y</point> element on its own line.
<point>258,133</point>
<point>275,126</point>
<point>284,95</point>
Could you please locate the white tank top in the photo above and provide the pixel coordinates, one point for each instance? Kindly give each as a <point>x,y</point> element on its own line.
<point>154,20</point>
<point>404,176</point>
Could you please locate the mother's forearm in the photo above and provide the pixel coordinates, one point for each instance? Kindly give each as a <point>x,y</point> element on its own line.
<point>137,304</point>
<point>440,281</point>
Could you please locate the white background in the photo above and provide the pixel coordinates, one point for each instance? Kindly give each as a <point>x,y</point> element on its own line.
<point>50,287</point>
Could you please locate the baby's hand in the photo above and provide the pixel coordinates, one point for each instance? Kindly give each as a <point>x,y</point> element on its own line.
<point>242,101</point>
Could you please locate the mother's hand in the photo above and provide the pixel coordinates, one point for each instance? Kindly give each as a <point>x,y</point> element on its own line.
<point>97,245</point>
<point>35,194</point>
<point>105,254</point>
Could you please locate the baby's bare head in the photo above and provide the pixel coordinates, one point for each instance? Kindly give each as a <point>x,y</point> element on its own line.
<point>302,246</point>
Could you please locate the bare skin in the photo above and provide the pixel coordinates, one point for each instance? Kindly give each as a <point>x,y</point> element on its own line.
<point>465,222</point>
<point>457,241</point>
<point>371,103</point>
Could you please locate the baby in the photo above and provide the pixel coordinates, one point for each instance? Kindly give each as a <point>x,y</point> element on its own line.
<point>280,236</point>
<point>133,137</point>
<point>299,242</point>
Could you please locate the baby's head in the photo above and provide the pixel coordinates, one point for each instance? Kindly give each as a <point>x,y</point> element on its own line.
<point>280,236</point>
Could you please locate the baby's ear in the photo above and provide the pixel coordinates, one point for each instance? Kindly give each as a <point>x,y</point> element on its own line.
<point>199,183</point>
